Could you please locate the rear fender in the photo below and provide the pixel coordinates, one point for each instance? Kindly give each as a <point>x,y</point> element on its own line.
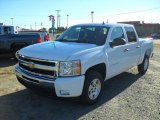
<point>148,53</point>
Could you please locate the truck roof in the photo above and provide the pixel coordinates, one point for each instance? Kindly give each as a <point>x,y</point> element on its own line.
<point>104,24</point>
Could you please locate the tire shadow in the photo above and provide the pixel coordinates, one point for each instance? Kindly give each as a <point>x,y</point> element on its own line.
<point>7,60</point>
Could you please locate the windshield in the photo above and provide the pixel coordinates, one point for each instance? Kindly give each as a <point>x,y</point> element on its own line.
<point>85,34</point>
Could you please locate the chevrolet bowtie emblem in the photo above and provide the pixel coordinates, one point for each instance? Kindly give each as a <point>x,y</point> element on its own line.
<point>31,65</point>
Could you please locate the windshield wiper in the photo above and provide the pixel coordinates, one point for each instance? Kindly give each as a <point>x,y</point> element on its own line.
<point>77,41</point>
<point>65,40</point>
<point>83,41</point>
<point>61,40</point>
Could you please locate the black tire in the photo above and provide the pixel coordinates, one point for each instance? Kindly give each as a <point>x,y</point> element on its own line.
<point>89,90</point>
<point>142,68</point>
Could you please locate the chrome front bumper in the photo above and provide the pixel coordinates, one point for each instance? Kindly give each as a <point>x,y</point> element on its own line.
<point>25,74</point>
<point>64,86</point>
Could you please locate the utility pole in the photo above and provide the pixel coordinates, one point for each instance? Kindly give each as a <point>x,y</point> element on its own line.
<point>35,25</point>
<point>41,25</point>
<point>67,20</point>
<point>31,27</point>
<point>12,20</point>
<point>107,20</point>
<point>58,18</point>
<point>92,15</point>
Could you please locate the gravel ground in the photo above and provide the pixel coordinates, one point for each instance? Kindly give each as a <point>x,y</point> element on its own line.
<point>128,96</point>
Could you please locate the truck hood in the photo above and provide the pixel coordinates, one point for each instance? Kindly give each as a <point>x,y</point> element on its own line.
<point>59,51</point>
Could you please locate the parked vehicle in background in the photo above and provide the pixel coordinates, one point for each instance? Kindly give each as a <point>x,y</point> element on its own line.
<point>7,30</point>
<point>43,34</point>
<point>10,42</point>
<point>82,58</point>
<point>155,35</point>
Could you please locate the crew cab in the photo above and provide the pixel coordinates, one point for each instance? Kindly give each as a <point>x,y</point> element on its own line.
<point>11,42</point>
<point>82,58</point>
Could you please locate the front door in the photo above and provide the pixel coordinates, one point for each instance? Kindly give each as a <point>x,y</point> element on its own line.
<point>118,54</point>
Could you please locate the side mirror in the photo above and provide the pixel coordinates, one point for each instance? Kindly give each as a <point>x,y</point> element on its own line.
<point>111,44</point>
<point>117,42</point>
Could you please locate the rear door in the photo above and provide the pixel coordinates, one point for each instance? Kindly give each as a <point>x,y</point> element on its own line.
<point>133,46</point>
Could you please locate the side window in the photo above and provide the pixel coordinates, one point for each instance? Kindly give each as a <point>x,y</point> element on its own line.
<point>7,30</point>
<point>117,37</point>
<point>131,34</point>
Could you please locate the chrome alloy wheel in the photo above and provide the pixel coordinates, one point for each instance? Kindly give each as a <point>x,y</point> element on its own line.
<point>94,89</point>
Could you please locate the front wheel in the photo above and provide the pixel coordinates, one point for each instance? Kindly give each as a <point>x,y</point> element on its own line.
<point>92,87</point>
<point>142,68</point>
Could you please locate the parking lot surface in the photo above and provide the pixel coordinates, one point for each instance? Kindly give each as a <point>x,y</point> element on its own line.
<point>128,96</point>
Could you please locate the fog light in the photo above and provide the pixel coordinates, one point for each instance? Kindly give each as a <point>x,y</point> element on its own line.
<point>64,92</point>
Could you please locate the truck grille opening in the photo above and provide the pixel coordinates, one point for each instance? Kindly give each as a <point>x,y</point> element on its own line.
<point>40,67</point>
<point>37,62</point>
<point>38,71</point>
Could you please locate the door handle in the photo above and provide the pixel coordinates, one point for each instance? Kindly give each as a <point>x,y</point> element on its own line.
<point>138,46</point>
<point>125,50</point>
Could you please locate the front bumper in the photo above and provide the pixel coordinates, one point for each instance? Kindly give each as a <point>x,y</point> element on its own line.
<point>64,86</point>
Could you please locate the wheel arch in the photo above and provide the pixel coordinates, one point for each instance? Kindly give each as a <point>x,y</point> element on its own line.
<point>20,44</point>
<point>101,68</point>
<point>148,53</point>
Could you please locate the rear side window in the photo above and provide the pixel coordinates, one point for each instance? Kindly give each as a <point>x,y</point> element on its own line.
<point>7,30</point>
<point>130,34</point>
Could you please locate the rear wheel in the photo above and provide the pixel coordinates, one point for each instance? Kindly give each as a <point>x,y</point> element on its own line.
<point>92,87</point>
<point>142,68</point>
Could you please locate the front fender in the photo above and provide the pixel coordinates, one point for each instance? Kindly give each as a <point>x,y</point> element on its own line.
<point>91,58</point>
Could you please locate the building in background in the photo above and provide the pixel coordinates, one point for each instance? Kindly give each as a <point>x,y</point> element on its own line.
<point>144,29</point>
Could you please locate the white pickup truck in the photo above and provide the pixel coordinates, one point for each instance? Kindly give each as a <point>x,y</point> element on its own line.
<point>82,58</point>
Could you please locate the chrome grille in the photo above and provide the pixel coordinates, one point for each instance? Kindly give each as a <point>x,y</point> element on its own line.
<point>39,67</point>
<point>36,61</point>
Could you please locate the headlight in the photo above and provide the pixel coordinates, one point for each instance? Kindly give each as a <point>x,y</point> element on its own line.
<point>70,68</point>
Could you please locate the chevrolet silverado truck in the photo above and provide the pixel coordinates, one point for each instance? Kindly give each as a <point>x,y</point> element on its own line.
<point>82,58</point>
<point>11,42</point>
